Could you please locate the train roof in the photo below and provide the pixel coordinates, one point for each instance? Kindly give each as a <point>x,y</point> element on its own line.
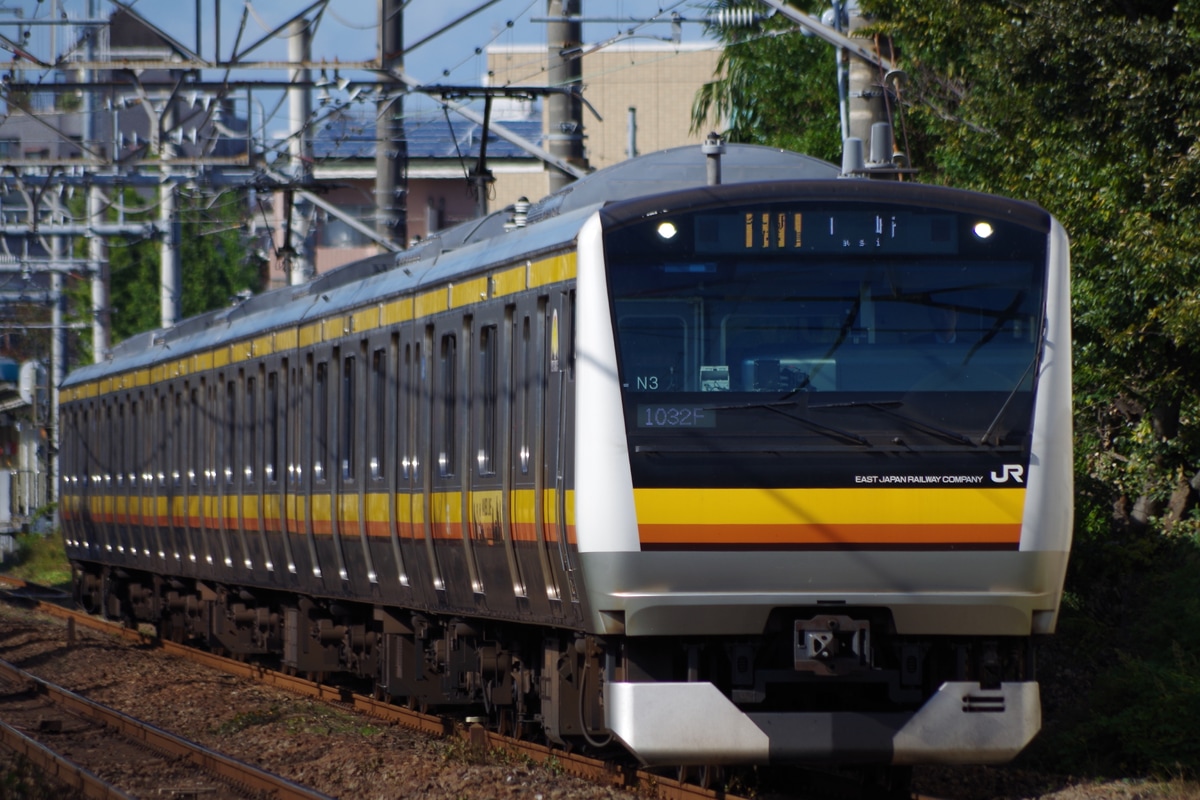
<point>479,244</point>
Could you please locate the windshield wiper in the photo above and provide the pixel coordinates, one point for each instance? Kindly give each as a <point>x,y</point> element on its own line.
<point>883,406</point>
<point>1037,351</point>
<point>818,427</point>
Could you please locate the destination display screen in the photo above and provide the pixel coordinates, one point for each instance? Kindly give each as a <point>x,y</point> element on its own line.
<point>781,230</point>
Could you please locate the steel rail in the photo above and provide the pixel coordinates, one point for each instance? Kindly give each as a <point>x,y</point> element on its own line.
<point>79,780</point>
<point>212,762</point>
<point>649,784</point>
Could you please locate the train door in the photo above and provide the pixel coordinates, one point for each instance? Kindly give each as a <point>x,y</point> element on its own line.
<point>559,372</point>
<point>302,444</point>
<point>425,455</point>
<point>528,461</point>
<point>491,506</point>
<point>418,558</point>
<point>254,459</point>
<point>382,447</point>
<point>351,473</point>
<point>276,463</point>
<point>189,473</point>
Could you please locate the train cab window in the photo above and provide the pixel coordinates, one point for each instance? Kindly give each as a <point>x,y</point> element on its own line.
<point>656,350</point>
<point>320,420</point>
<point>376,441</point>
<point>346,417</point>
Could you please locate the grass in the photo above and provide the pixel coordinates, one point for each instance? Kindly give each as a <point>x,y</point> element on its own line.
<point>40,559</point>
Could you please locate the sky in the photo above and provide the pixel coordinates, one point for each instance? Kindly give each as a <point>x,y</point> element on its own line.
<point>348,31</point>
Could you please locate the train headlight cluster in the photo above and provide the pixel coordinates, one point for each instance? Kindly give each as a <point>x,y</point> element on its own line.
<point>983,229</point>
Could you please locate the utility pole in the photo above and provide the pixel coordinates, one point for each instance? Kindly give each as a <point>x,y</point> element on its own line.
<point>391,145</point>
<point>867,103</point>
<point>564,112</point>
<point>98,264</point>
<point>168,230</point>
<point>298,252</point>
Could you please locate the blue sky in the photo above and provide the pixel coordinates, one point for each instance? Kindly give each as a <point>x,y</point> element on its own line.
<point>348,30</point>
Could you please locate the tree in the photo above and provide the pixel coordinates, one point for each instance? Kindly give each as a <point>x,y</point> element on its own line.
<point>216,265</point>
<point>775,88</point>
<point>1092,111</point>
<point>1089,110</point>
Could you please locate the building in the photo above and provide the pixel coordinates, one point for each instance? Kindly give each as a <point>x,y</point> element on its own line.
<point>642,93</point>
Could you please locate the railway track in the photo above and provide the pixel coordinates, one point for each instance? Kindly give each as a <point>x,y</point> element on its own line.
<point>114,755</point>
<point>645,783</point>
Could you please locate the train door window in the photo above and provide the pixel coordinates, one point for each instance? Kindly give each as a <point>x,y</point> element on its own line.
<point>166,461</point>
<point>195,452</point>
<point>404,415</point>
<point>320,420</point>
<point>230,437</point>
<point>489,391</point>
<point>271,420</point>
<point>119,447</point>
<point>447,372</point>
<point>377,435</point>
<point>133,437</point>
<point>346,417</point>
<point>524,397</point>
<point>250,431</point>
<point>208,436</point>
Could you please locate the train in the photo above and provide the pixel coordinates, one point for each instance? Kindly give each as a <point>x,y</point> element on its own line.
<point>771,470</point>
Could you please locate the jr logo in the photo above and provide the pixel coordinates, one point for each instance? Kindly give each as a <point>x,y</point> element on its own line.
<point>1014,471</point>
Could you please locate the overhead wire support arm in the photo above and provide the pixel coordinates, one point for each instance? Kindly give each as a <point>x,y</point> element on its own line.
<point>833,37</point>
<point>504,133</point>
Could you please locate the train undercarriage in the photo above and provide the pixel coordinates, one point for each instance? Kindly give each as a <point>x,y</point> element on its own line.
<point>549,684</point>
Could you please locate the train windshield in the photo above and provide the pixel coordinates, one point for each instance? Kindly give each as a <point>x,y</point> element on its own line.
<point>870,326</point>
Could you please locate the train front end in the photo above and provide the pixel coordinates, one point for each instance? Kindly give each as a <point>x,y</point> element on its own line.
<point>823,470</point>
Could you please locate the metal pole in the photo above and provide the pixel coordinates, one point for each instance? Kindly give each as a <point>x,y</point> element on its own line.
<point>170,295</point>
<point>564,112</point>
<point>866,99</point>
<point>98,265</point>
<point>631,134</point>
<point>300,269</point>
<point>391,145</point>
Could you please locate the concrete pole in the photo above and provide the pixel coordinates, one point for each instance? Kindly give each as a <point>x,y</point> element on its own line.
<point>867,104</point>
<point>564,113</point>
<point>391,145</point>
<point>58,367</point>
<point>300,267</point>
<point>168,226</point>
<point>97,265</point>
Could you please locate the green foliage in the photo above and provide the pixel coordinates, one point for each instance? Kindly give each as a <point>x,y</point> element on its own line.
<point>775,88</point>
<point>41,559</point>
<point>1092,111</point>
<point>215,264</point>
<point>20,780</point>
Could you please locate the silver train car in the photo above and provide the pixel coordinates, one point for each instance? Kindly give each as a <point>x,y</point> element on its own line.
<point>772,471</point>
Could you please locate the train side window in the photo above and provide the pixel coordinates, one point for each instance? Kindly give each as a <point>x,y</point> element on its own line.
<point>346,417</point>
<point>320,420</point>
<point>448,373</point>
<point>376,437</point>
<point>489,391</point>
